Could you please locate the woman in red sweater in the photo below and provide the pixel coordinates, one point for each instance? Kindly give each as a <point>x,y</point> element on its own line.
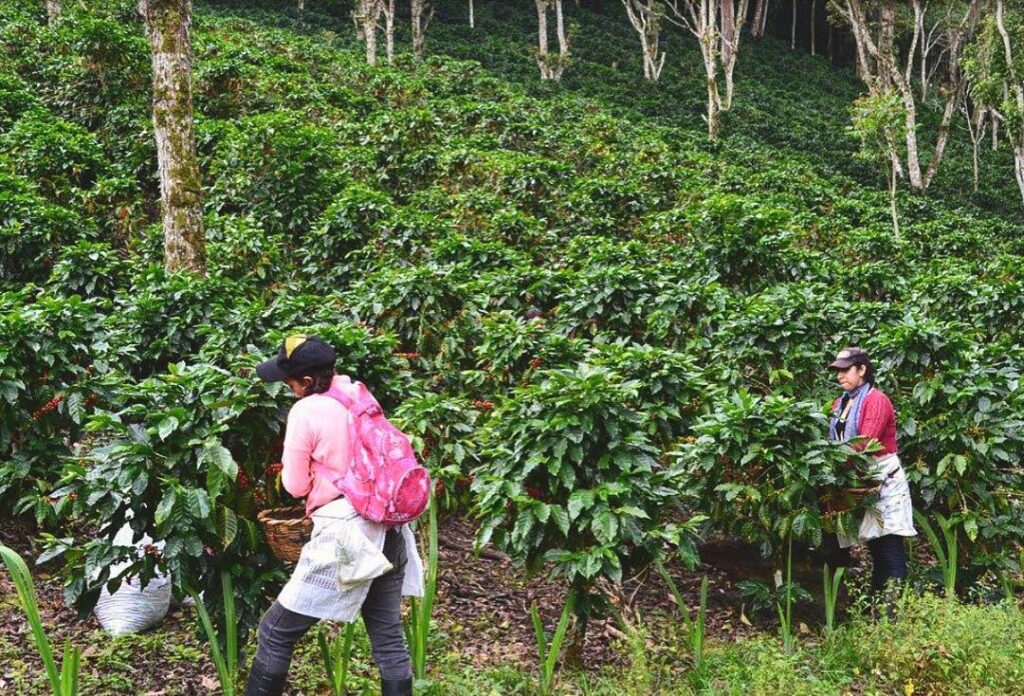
<point>864,416</point>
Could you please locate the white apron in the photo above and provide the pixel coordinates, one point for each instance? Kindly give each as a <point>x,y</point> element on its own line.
<point>341,559</point>
<point>893,513</point>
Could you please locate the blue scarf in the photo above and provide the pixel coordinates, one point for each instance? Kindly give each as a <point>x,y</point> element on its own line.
<point>856,401</point>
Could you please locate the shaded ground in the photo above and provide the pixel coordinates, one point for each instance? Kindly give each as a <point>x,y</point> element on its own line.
<point>482,610</point>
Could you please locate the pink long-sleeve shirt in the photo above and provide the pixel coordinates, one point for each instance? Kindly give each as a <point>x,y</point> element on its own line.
<point>317,433</point>
<point>877,422</point>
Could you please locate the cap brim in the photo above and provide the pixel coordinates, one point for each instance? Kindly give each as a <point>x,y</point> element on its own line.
<point>270,371</point>
<point>841,364</point>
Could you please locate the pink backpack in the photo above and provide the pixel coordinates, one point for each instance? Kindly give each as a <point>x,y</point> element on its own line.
<point>384,482</point>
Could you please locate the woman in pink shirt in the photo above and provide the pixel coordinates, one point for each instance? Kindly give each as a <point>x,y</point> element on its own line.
<point>864,416</point>
<point>351,565</point>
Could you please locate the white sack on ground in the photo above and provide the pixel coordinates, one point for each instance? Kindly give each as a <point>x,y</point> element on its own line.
<point>133,608</point>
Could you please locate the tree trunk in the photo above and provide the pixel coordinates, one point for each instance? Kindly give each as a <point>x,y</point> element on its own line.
<point>563,40</point>
<point>167,27</point>
<point>419,25</point>
<point>367,16</point>
<point>644,16</point>
<point>728,31</point>
<point>472,19</point>
<point>1015,131</point>
<point>760,15</point>
<point>542,39</point>
<point>892,200</point>
<point>792,33</point>
<point>52,11</point>
<point>389,29</point>
<point>814,5</point>
<point>920,29</point>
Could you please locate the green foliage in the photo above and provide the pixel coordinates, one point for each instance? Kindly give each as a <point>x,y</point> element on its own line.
<point>226,660</point>
<point>569,477</point>
<point>64,682</point>
<point>548,651</point>
<point>48,384</point>
<point>62,158</point>
<point>754,465</point>
<point>181,456</point>
<point>413,215</point>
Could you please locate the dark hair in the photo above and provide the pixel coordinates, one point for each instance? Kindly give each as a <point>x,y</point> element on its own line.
<point>322,378</point>
<point>869,373</point>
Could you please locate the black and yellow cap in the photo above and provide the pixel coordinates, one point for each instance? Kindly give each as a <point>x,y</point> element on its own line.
<point>299,355</point>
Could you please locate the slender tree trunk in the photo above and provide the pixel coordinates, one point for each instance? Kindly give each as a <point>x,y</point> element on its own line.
<point>730,38</point>
<point>472,18</point>
<point>167,27</point>
<point>645,17</point>
<point>727,14</point>
<point>814,43</point>
<point>543,59</point>
<point>792,33</point>
<point>976,128</point>
<point>419,25</point>
<point>52,11</point>
<point>366,15</point>
<point>563,40</point>
<point>760,14</point>
<point>892,200</point>
<point>388,10</point>
<point>1015,131</point>
<point>920,30</point>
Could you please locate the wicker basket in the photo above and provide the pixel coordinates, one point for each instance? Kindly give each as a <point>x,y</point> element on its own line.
<point>287,530</point>
<point>845,499</point>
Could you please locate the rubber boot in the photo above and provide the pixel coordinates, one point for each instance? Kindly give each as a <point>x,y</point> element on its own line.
<point>262,684</point>
<point>396,687</point>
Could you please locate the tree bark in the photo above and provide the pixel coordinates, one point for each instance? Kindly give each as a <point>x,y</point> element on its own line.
<point>388,10</point>
<point>814,6</point>
<point>366,15</point>
<point>52,11</point>
<point>718,46</point>
<point>542,39</point>
<point>420,20</point>
<point>760,17</point>
<point>1014,87</point>
<point>645,17</point>
<point>563,39</point>
<point>551,68</point>
<point>167,27</point>
<point>879,66</point>
<point>472,18</point>
<point>792,32</point>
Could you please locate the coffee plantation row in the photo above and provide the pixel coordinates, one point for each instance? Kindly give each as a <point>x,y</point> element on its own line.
<point>607,336</point>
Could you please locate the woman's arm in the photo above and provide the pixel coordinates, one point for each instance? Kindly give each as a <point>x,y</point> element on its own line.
<point>296,474</point>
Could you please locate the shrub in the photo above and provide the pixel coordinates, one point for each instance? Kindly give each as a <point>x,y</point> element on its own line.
<point>569,476</point>
<point>32,230</point>
<point>62,158</point>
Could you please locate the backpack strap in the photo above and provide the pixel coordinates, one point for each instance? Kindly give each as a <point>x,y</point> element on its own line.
<point>363,405</point>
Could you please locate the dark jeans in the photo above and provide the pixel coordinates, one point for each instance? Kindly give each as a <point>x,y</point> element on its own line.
<point>281,629</point>
<point>889,560</point>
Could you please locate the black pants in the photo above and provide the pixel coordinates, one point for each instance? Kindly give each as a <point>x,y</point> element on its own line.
<point>888,559</point>
<point>281,629</point>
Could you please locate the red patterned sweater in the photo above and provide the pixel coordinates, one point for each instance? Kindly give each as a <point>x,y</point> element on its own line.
<point>877,422</point>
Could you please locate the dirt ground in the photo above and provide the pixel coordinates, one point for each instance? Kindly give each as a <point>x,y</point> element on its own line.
<point>483,605</point>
